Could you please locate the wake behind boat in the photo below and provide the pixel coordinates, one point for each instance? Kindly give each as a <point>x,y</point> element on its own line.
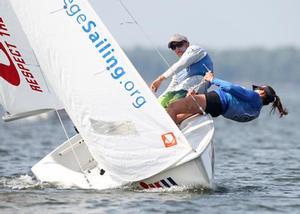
<point>126,137</point>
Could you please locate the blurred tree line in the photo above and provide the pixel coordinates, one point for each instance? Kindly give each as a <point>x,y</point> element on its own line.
<point>245,65</point>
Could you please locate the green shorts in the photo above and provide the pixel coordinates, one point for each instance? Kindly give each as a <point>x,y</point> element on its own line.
<point>171,96</point>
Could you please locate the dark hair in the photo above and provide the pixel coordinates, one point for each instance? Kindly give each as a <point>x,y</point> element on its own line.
<point>271,96</point>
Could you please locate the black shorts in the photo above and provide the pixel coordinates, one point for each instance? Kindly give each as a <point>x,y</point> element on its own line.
<point>213,104</point>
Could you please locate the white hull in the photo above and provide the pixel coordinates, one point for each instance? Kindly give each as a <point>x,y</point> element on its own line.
<point>195,173</point>
<point>71,164</point>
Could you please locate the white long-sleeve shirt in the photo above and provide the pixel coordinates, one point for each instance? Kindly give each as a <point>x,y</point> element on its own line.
<point>193,54</point>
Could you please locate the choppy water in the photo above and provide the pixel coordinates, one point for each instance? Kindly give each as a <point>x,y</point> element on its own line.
<point>257,170</point>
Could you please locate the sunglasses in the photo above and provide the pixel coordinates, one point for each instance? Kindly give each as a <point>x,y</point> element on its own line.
<point>175,45</point>
<point>256,87</point>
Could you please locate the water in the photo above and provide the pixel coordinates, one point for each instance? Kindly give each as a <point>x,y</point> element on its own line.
<point>257,170</point>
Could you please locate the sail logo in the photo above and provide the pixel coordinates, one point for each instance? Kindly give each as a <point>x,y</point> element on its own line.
<point>169,139</point>
<point>8,70</point>
<point>11,61</point>
<point>100,40</point>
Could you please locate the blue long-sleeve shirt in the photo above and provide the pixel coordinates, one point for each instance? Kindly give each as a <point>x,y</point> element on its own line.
<point>238,103</point>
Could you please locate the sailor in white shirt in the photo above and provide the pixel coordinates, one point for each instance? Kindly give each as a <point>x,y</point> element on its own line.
<point>187,73</point>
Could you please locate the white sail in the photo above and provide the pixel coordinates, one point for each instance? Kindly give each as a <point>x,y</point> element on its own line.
<point>24,90</point>
<point>125,128</point>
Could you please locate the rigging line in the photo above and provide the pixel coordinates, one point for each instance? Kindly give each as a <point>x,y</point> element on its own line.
<point>198,106</point>
<point>194,88</point>
<point>72,147</point>
<point>144,32</point>
<point>41,71</point>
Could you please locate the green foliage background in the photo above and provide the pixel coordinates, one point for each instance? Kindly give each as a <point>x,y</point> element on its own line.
<point>281,65</point>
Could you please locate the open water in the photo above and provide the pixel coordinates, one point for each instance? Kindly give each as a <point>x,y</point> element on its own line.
<point>257,170</point>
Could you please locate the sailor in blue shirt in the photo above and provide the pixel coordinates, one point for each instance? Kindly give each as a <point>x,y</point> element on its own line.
<point>230,100</point>
<point>237,103</point>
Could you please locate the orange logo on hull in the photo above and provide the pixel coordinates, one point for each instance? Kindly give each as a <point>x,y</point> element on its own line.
<point>169,139</point>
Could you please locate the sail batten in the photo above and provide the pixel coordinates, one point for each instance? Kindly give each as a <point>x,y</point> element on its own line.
<point>126,130</point>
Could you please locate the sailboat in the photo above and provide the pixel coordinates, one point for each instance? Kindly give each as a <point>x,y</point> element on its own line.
<point>58,54</point>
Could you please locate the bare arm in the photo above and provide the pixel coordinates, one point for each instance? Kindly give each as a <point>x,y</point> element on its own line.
<point>156,83</point>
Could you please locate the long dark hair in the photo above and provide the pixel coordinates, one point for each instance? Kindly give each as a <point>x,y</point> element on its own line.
<point>272,97</point>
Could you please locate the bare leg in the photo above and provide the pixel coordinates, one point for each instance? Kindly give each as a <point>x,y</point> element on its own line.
<point>182,117</point>
<point>185,107</point>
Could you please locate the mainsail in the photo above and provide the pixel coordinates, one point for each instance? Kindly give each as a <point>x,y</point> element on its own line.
<point>24,90</point>
<point>125,128</point>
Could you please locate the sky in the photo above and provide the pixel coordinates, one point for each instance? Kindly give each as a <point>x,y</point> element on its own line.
<point>217,24</point>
